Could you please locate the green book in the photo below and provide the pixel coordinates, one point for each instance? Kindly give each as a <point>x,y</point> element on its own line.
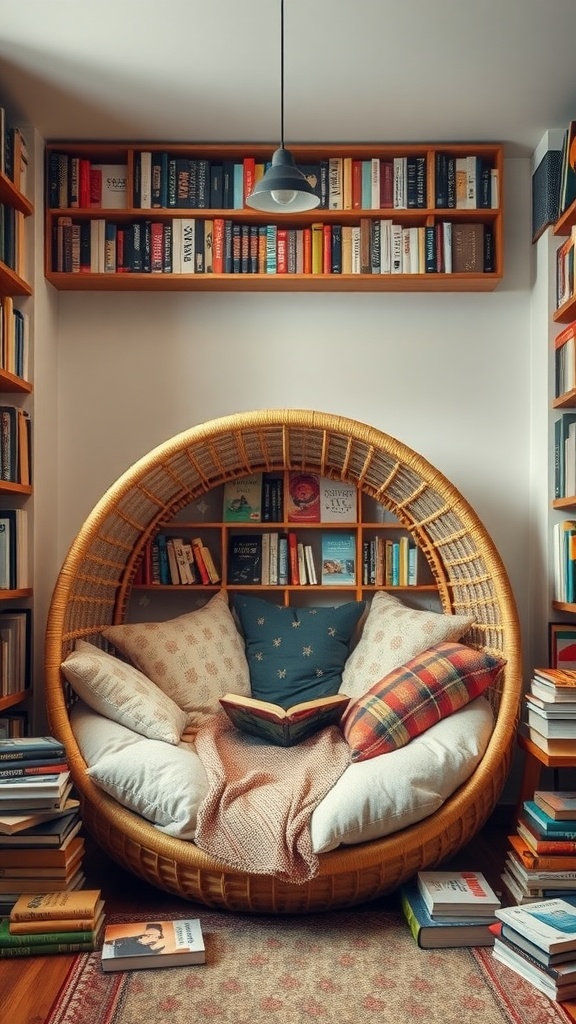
<point>10,942</point>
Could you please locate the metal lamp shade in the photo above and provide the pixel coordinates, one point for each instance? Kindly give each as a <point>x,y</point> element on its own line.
<point>283,188</point>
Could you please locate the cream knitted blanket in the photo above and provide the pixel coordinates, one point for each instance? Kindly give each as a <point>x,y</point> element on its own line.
<point>256,816</point>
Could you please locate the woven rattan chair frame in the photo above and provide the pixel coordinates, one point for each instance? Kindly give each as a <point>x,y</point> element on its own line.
<point>94,586</point>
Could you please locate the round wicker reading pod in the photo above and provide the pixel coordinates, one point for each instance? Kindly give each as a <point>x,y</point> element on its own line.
<point>93,589</point>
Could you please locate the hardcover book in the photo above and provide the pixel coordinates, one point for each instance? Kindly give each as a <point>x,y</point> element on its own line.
<point>557,983</point>
<point>338,501</point>
<point>457,894</point>
<point>430,933</point>
<point>41,827</point>
<point>547,826</point>
<point>24,747</point>
<point>242,499</point>
<point>338,559</point>
<point>56,905</point>
<point>283,727</point>
<point>149,944</point>
<point>467,248</point>
<point>11,940</point>
<point>245,559</point>
<point>559,804</point>
<point>303,498</point>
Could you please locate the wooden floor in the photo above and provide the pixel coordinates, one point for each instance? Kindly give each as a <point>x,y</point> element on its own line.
<point>29,987</point>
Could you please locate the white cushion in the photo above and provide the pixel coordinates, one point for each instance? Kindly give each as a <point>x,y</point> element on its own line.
<point>387,793</point>
<point>123,694</point>
<point>195,658</point>
<point>164,784</point>
<point>392,635</point>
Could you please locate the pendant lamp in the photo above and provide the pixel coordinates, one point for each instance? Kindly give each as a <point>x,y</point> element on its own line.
<point>283,188</point>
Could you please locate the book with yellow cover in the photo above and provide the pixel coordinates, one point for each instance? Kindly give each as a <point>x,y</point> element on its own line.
<point>56,905</point>
<point>281,726</point>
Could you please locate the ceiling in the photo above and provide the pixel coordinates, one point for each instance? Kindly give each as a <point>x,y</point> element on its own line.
<point>361,71</point>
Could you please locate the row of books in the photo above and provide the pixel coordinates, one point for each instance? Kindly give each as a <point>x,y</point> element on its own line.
<point>15,444</point>
<point>564,559</point>
<point>170,561</point>
<point>270,558</point>
<point>565,360</point>
<point>390,563</point>
<point>12,240</point>
<point>13,725</point>
<point>13,153</point>
<point>222,246</point>
<point>14,563</point>
<point>167,181</point>
<point>14,338</point>
<point>565,269</point>
<point>15,640</point>
<point>310,498</point>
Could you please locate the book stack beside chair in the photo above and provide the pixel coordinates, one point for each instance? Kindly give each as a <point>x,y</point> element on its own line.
<point>449,908</point>
<point>538,942</point>
<point>39,820</point>
<point>46,923</point>
<point>541,860</point>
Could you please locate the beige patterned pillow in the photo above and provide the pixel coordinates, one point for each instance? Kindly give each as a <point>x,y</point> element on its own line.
<point>195,658</point>
<point>393,633</point>
<point>123,694</point>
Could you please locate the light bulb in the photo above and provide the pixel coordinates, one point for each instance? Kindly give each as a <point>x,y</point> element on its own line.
<point>283,196</point>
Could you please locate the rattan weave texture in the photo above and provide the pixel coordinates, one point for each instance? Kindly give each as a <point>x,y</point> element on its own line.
<point>93,589</point>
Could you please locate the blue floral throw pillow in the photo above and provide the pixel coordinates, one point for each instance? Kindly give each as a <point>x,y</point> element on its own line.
<point>295,654</point>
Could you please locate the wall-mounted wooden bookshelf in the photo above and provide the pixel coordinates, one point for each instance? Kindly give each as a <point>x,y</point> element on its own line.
<point>352,242</point>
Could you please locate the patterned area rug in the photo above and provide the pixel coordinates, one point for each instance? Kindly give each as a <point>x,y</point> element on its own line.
<point>349,967</point>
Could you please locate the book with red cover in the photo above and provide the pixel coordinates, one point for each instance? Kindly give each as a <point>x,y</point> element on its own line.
<point>303,498</point>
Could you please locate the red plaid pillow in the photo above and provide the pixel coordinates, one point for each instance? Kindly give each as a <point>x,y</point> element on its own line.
<point>412,698</point>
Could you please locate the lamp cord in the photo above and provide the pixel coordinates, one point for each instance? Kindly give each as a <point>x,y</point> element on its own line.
<point>282,74</point>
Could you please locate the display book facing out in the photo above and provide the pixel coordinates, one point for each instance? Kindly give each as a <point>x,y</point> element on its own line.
<point>286,529</point>
<point>15,391</point>
<point>413,217</point>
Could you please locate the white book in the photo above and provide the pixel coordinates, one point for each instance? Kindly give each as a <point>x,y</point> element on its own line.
<point>145,180</point>
<point>265,559</point>
<point>396,248</point>
<point>177,245</point>
<point>273,558</point>
<point>406,242</point>
<point>447,240</point>
<point>310,566</point>
<point>399,194</point>
<point>471,182</point>
<point>188,243</point>
<point>385,246</point>
<point>414,261</point>
<point>114,185</point>
<point>335,190</point>
<point>549,924</point>
<point>338,501</point>
<point>457,894</point>
<point>302,570</point>
<point>495,188</point>
<point>355,230</point>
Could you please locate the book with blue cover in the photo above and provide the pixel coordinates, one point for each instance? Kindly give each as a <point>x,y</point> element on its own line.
<point>546,825</point>
<point>338,559</point>
<point>549,924</point>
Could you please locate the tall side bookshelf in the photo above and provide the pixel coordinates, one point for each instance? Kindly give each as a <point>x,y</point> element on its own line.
<point>392,218</point>
<point>15,450</point>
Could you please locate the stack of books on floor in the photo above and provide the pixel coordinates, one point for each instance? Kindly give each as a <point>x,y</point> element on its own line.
<point>541,860</point>
<point>46,923</point>
<point>39,820</point>
<point>538,942</point>
<point>551,710</point>
<point>449,908</point>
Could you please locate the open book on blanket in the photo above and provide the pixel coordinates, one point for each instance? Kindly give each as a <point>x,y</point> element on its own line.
<point>284,727</point>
